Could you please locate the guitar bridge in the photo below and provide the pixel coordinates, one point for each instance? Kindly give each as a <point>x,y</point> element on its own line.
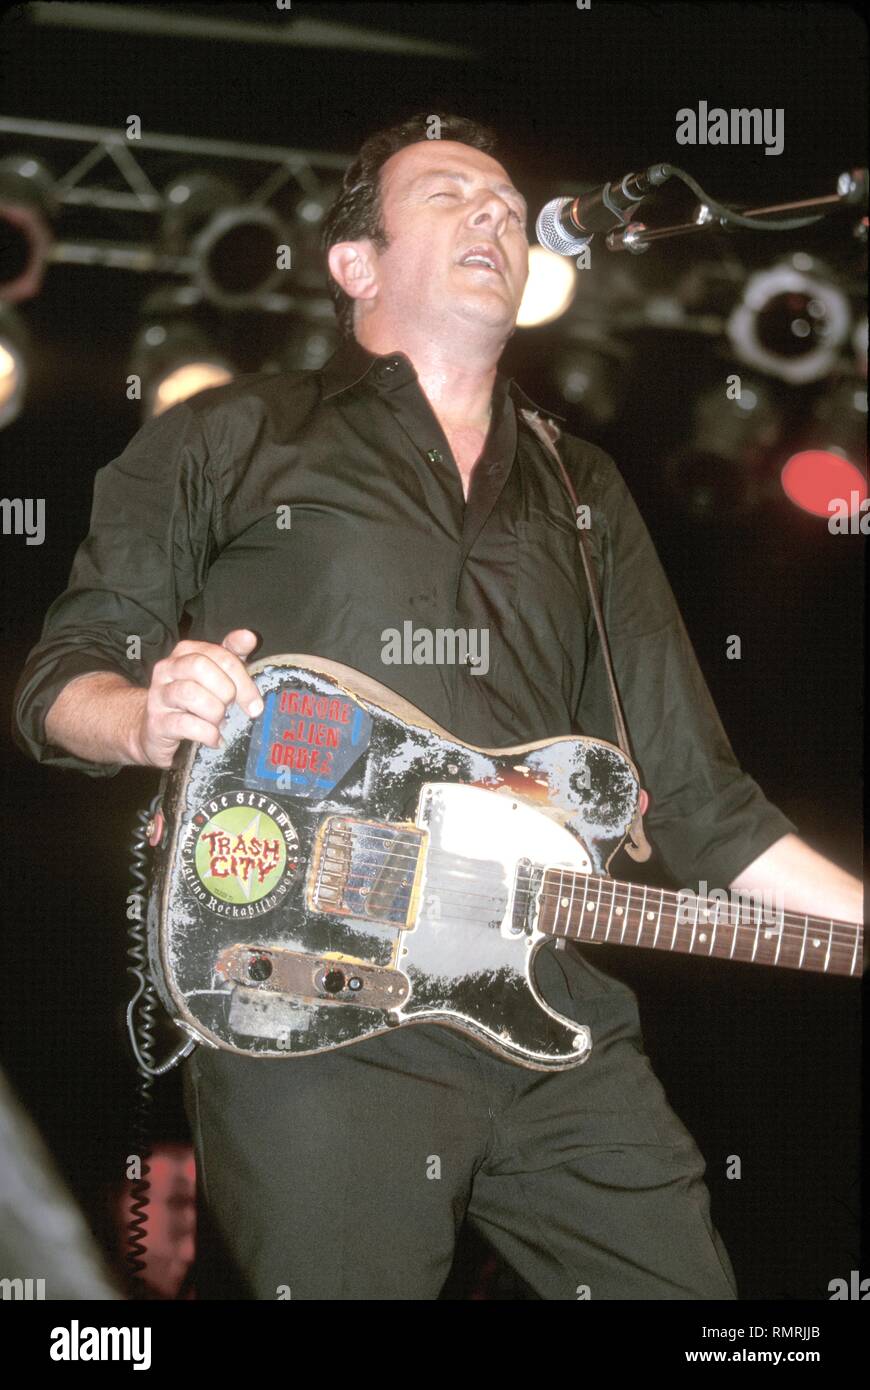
<point>366,868</point>
<point>526,899</point>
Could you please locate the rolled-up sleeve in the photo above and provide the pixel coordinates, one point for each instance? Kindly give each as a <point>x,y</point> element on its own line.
<point>707,817</point>
<point>145,556</point>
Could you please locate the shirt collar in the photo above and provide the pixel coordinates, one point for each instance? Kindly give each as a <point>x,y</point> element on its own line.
<point>351,363</point>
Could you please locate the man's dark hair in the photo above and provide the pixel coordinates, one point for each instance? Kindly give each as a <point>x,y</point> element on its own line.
<point>357,213</point>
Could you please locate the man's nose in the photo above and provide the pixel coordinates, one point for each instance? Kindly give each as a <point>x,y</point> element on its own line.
<point>491,209</point>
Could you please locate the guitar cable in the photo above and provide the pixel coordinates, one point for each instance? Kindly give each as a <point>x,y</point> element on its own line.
<point>142,1045</point>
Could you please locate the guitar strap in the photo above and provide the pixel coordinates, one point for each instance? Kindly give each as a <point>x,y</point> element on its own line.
<point>548,432</point>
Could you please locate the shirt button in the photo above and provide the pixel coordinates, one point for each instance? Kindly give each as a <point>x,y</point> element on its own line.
<point>388,368</point>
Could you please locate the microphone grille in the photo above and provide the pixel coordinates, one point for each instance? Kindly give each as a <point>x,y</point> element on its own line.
<point>552,235</point>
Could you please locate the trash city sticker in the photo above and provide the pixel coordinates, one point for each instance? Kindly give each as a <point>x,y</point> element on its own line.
<point>240,854</point>
<point>304,743</point>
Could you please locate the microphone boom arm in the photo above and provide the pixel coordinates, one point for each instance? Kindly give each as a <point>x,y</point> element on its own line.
<point>567,225</point>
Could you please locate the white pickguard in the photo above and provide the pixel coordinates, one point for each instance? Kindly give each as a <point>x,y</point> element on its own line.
<point>497,829</point>
<point>477,839</point>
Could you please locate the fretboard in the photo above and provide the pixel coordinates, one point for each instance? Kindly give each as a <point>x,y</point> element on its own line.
<point>589,908</point>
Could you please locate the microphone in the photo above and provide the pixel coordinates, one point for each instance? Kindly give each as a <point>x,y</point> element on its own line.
<point>567,225</point>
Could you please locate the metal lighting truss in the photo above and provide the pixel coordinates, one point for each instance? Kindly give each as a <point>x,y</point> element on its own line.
<point>140,196</point>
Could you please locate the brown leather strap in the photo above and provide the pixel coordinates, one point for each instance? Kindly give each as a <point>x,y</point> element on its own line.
<point>548,433</point>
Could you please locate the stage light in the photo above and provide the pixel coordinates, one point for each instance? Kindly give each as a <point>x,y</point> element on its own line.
<point>721,470</point>
<point>307,214</point>
<point>815,479</point>
<point>791,321</point>
<point>187,380</point>
<point>590,375</point>
<point>314,204</point>
<point>14,373</point>
<point>233,244</point>
<point>312,337</point>
<point>830,461</point>
<point>174,361</point>
<point>551,286</point>
<point>27,208</point>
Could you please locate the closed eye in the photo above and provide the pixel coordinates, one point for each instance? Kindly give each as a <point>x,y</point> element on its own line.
<point>452,193</point>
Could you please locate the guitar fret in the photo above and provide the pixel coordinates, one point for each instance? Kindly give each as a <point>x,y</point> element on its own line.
<point>612,905</point>
<point>676,923</point>
<point>659,922</point>
<point>709,923</point>
<point>780,934</point>
<point>694,926</point>
<point>757,932</point>
<point>641,915</point>
<point>582,917</point>
<point>571,903</point>
<point>854,955</point>
<point>597,908</point>
<point>799,940</point>
<point>640,921</point>
<point>803,943</point>
<point>715,927</point>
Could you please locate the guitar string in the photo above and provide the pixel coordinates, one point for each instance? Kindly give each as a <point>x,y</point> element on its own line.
<point>843,934</point>
<point>796,918</point>
<point>799,921</point>
<point>743,949</point>
<point>745,946</point>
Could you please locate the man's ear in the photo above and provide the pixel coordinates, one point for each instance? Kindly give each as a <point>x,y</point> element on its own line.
<point>353,264</point>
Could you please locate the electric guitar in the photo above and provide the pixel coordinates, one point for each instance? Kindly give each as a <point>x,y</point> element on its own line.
<point>343,866</point>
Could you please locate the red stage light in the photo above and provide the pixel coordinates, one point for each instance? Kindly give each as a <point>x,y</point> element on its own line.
<point>815,478</point>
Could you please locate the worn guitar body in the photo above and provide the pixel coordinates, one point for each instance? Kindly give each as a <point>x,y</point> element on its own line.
<point>343,866</point>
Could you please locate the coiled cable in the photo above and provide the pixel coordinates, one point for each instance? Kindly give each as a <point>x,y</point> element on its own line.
<point>143,1018</point>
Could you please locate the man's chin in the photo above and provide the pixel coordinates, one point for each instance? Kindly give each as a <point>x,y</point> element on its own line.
<point>489,311</point>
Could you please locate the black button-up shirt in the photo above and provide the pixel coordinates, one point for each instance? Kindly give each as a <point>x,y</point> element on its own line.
<point>324,511</point>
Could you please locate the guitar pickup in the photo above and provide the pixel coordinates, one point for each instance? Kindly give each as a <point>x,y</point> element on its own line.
<point>368,869</point>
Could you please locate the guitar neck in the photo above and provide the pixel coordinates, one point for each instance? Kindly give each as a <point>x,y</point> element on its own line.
<point>589,908</point>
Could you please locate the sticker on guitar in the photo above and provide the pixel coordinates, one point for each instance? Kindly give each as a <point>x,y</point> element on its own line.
<point>305,743</point>
<point>238,858</point>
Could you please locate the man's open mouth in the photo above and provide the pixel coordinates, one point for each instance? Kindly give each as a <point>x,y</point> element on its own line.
<point>484,258</point>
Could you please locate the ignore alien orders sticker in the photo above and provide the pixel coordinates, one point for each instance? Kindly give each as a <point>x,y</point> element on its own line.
<point>305,743</point>
<point>239,854</point>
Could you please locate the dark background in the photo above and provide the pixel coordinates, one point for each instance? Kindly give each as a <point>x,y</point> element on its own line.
<point>758,1063</point>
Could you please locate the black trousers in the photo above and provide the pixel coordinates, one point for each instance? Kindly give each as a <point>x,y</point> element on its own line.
<point>348,1175</point>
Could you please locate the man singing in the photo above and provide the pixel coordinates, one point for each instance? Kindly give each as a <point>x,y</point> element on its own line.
<point>417,492</point>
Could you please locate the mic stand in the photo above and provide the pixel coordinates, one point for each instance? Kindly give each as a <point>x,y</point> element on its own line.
<point>637,237</point>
